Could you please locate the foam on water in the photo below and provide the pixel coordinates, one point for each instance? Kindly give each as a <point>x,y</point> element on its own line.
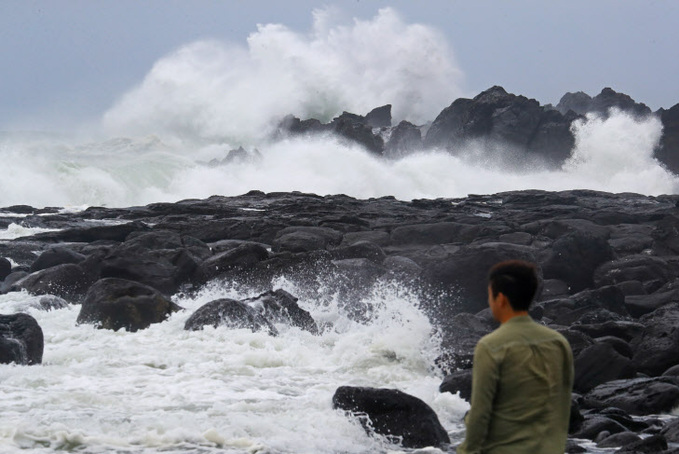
<point>217,390</point>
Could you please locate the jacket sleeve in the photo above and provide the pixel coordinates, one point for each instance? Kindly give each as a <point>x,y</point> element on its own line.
<point>485,377</point>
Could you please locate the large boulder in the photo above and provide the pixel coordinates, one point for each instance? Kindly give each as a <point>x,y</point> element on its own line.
<point>394,414</point>
<point>405,138</point>
<point>279,306</point>
<point>21,340</point>
<point>459,336</point>
<point>113,303</point>
<point>230,313</point>
<point>655,348</point>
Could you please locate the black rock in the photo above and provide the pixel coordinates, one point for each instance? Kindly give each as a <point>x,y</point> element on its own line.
<point>594,424</point>
<point>379,117</point>
<point>305,239</point>
<point>650,445</point>
<point>230,313</point>
<point>394,414</point>
<point>458,382</point>
<point>598,364</point>
<point>405,139</point>
<point>618,440</point>
<point>655,348</point>
<point>21,340</point>
<point>56,256</point>
<point>113,303</point>
<point>637,396</point>
<point>279,306</point>
<point>68,281</point>
<point>5,268</point>
<point>671,431</point>
<point>668,151</point>
<point>242,256</point>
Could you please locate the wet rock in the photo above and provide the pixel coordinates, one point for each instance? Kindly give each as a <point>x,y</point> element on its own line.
<point>618,440</point>
<point>230,313</point>
<point>655,348</point>
<point>650,445</point>
<point>56,256</point>
<point>68,281</point>
<point>113,304</point>
<point>637,396</point>
<point>405,138</point>
<point>668,150</point>
<point>460,335</point>
<point>244,255</point>
<point>360,249</point>
<point>21,340</point>
<point>379,117</point>
<point>5,268</point>
<point>305,239</point>
<point>394,414</point>
<point>8,284</point>
<point>620,346</point>
<point>651,271</point>
<point>279,306</point>
<point>671,431</point>
<point>598,364</point>
<point>98,233</point>
<point>460,382</point>
<point>625,330</point>
<point>639,305</point>
<point>594,424</point>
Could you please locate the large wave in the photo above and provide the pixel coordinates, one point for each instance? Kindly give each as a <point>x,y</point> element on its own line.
<point>216,90</point>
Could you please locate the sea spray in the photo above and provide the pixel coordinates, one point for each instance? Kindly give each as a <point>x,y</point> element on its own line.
<point>217,390</point>
<point>222,91</point>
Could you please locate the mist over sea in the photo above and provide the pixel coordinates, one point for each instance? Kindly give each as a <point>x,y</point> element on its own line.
<point>168,390</point>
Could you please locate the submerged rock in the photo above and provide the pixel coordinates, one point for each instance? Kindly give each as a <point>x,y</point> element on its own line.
<point>21,340</point>
<point>230,313</point>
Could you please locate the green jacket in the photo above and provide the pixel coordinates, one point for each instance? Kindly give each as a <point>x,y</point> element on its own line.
<point>521,391</point>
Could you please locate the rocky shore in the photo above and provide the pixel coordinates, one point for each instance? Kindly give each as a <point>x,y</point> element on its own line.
<point>609,267</point>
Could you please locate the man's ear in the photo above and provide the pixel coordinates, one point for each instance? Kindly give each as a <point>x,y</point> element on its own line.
<point>503,300</point>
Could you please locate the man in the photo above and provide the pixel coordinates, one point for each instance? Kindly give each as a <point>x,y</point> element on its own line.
<point>522,376</point>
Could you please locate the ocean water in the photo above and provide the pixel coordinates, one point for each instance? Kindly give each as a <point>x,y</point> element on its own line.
<point>164,389</point>
<point>232,391</point>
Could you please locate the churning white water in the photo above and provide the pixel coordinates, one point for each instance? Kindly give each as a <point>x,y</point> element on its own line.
<point>164,389</point>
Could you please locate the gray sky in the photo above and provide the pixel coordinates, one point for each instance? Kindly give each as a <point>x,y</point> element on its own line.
<point>69,61</point>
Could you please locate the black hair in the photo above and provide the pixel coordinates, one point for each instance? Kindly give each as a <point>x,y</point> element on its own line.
<point>517,280</point>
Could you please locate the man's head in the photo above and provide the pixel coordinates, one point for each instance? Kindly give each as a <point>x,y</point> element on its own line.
<point>516,280</point>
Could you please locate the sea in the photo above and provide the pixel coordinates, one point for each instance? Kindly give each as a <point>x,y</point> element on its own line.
<point>167,390</point>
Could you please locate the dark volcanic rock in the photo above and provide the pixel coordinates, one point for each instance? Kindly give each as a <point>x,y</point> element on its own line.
<point>68,281</point>
<point>305,239</point>
<point>458,382</point>
<point>230,313</point>
<point>656,347</point>
<point>637,396</point>
<point>5,268</point>
<point>21,340</point>
<point>113,303</point>
<point>56,256</point>
<point>650,445</point>
<point>405,138</point>
<point>581,103</point>
<point>668,151</point>
<point>392,413</point>
<point>598,364</point>
<point>593,425</point>
<point>278,306</point>
<point>379,117</point>
<point>496,118</point>
<point>242,256</point>
<point>460,333</point>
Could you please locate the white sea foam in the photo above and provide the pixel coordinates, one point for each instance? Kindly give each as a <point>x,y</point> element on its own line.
<point>217,390</point>
<point>218,90</point>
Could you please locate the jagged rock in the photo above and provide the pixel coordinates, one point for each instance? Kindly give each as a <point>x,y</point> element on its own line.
<point>379,117</point>
<point>21,340</point>
<point>637,396</point>
<point>668,150</point>
<point>581,103</point>
<point>651,271</point>
<point>496,117</point>
<point>655,348</point>
<point>113,303</point>
<point>578,102</point>
<point>357,131</point>
<point>230,313</point>
<point>279,306</point>
<point>405,138</point>
<point>393,414</point>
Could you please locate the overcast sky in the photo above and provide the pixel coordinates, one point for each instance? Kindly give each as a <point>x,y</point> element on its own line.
<point>66,61</point>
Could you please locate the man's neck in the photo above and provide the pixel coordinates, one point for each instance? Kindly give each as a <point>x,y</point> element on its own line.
<point>510,315</point>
